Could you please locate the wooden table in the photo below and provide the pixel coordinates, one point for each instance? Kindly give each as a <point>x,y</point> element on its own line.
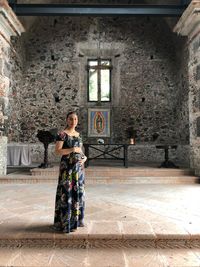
<point>167,163</point>
<point>106,150</point>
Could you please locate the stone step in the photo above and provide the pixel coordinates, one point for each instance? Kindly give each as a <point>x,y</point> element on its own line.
<point>143,180</point>
<point>113,172</point>
<point>29,179</point>
<point>83,241</point>
<point>92,238</point>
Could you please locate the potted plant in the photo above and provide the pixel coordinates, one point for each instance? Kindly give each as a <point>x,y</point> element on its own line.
<point>131,134</point>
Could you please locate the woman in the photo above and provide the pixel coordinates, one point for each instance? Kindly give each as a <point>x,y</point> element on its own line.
<point>70,195</point>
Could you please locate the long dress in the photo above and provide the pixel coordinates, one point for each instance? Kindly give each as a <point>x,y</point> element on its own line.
<point>70,195</point>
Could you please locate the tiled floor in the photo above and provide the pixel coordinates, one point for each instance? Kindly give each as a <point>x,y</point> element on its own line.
<point>36,257</point>
<point>141,212</point>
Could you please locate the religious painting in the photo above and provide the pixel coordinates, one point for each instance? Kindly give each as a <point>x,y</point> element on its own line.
<point>98,122</point>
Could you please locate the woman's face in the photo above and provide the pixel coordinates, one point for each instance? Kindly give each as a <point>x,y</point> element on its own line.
<point>72,121</point>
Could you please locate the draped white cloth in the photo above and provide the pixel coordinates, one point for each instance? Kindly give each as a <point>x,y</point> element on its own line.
<point>18,154</point>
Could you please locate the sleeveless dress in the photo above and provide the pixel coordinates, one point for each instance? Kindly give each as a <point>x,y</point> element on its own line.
<point>70,194</point>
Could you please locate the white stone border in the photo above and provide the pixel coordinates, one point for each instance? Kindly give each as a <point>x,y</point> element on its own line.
<point>9,23</point>
<point>189,23</point>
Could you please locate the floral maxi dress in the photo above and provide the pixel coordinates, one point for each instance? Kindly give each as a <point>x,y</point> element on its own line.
<point>70,195</point>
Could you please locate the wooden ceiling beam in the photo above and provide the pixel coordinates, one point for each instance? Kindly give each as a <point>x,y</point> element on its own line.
<point>96,10</point>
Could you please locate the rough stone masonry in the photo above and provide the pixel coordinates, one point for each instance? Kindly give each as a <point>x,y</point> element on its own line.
<point>149,79</point>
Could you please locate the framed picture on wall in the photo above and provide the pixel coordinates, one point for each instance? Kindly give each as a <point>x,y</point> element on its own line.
<point>98,122</point>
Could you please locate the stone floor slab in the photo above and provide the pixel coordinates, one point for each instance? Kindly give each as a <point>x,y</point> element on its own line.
<point>143,258</point>
<point>104,228</point>
<point>137,229</point>
<point>180,258</point>
<point>106,258</point>
<point>57,257</point>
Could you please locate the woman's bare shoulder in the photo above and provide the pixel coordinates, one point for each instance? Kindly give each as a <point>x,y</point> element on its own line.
<point>77,134</point>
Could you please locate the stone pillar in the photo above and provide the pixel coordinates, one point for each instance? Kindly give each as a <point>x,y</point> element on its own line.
<point>189,25</point>
<point>9,26</point>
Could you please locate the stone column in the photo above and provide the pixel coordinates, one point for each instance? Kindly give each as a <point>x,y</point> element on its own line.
<point>9,26</point>
<point>189,25</point>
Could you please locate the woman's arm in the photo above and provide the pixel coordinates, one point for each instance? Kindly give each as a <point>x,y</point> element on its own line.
<point>65,151</point>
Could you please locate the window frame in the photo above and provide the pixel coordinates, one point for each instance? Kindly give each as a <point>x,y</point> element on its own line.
<point>99,89</point>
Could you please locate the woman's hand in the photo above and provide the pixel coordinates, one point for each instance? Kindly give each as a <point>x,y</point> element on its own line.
<point>76,149</point>
<point>82,161</point>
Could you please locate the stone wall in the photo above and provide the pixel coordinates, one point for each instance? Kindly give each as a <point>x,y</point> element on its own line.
<point>146,64</point>
<point>148,78</point>
<point>3,154</point>
<point>189,26</point>
<point>9,26</point>
<point>137,153</point>
<point>194,102</point>
<point>4,76</point>
<point>15,73</point>
<point>182,100</point>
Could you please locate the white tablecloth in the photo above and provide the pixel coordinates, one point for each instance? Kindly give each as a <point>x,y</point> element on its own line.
<point>18,154</point>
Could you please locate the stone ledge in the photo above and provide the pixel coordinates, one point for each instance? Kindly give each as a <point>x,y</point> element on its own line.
<point>102,171</point>
<point>102,180</point>
<point>104,234</point>
<point>100,243</point>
